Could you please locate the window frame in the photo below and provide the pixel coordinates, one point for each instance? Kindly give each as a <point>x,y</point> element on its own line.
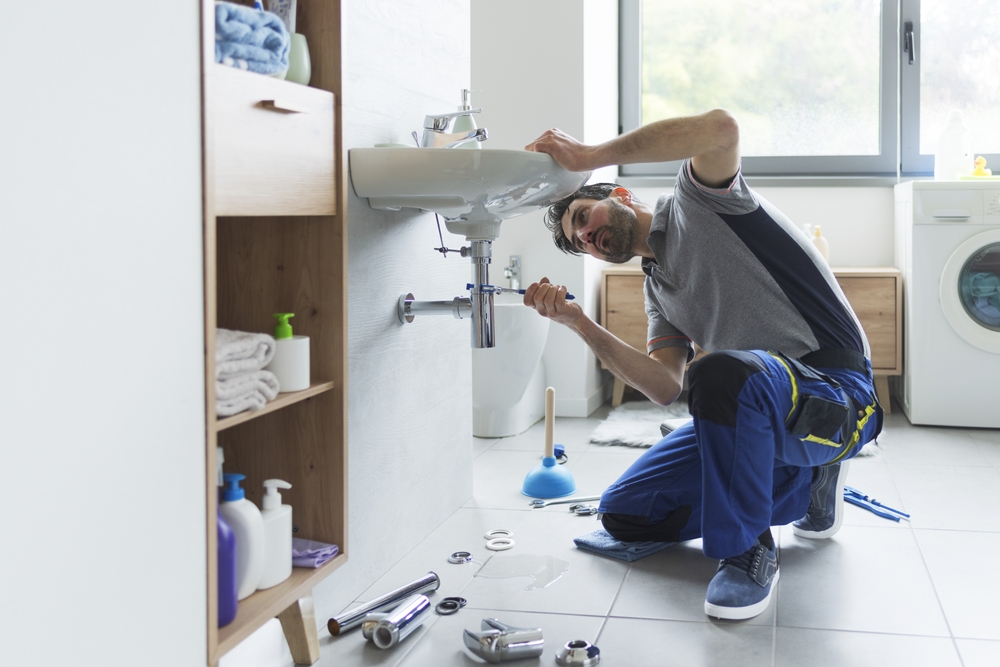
<point>885,164</point>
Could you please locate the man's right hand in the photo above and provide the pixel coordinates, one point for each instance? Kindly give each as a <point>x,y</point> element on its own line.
<point>550,301</point>
<point>569,153</point>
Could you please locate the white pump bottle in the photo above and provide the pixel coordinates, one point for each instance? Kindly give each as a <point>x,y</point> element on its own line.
<point>277,535</point>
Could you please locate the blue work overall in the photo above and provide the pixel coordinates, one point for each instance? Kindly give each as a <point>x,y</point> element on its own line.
<point>761,423</point>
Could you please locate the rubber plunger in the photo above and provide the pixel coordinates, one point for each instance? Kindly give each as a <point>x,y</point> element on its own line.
<point>549,480</point>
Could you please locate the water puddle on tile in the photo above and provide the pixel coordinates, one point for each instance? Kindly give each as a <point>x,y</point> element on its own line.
<point>543,570</point>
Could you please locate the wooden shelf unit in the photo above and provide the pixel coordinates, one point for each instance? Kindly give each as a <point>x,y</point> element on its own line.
<point>275,240</point>
<point>875,294</point>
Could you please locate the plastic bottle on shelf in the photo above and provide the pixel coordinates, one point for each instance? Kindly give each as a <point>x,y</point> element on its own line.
<point>820,242</point>
<point>225,560</point>
<point>953,157</point>
<point>277,535</point>
<point>466,123</point>
<point>291,356</point>
<point>248,526</point>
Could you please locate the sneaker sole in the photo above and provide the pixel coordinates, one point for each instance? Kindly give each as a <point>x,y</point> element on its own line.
<point>838,511</point>
<point>742,613</point>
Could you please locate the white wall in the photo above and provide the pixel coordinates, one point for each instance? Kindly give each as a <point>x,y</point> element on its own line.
<point>410,387</point>
<point>102,432</point>
<point>544,65</point>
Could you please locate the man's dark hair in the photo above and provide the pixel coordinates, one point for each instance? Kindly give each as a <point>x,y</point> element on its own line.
<point>554,216</point>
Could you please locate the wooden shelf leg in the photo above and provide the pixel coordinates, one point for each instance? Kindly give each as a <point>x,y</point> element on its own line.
<point>882,391</point>
<point>619,392</point>
<point>299,624</point>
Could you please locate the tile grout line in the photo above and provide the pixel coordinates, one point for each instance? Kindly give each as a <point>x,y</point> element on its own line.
<point>937,596</point>
<point>614,600</point>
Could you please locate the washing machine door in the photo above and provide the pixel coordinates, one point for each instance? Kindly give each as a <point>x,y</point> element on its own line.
<point>970,291</point>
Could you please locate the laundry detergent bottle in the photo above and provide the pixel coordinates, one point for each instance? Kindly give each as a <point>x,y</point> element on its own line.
<point>226,557</point>
<point>277,535</point>
<point>248,526</point>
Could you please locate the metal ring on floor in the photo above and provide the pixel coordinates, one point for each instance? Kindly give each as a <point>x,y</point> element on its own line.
<point>499,532</point>
<point>580,653</point>
<point>450,605</point>
<point>460,557</point>
<point>500,544</point>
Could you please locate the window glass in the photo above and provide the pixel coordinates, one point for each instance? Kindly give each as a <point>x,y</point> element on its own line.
<point>802,78</point>
<point>959,51</point>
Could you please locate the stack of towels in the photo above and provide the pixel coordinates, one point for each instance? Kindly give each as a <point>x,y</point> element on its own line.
<point>241,383</point>
<point>250,39</point>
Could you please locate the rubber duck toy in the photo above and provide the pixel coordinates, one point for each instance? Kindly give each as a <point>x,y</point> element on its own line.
<point>981,169</point>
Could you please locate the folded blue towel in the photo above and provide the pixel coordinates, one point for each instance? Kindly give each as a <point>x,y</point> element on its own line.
<point>250,39</point>
<point>601,543</point>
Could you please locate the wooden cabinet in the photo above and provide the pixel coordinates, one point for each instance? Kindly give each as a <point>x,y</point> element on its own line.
<point>875,294</point>
<point>275,240</point>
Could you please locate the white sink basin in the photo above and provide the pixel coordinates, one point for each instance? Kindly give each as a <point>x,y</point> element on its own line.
<point>474,190</point>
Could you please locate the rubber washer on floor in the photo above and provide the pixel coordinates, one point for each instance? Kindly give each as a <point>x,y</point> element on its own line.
<point>449,606</point>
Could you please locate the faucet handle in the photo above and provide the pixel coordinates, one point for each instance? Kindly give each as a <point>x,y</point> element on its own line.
<point>440,122</point>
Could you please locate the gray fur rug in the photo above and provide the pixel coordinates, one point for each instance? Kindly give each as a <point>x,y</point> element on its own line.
<point>637,424</point>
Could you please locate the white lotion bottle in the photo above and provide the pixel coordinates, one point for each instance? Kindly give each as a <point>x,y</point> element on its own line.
<point>820,242</point>
<point>291,356</point>
<point>277,535</point>
<point>466,123</point>
<point>248,525</point>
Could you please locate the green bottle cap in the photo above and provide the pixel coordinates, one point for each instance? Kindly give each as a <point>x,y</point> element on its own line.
<point>283,329</point>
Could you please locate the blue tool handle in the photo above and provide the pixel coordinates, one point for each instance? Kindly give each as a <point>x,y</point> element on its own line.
<point>486,289</point>
<point>873,510</point>
<point>569,297</point>
<point>851,491</point>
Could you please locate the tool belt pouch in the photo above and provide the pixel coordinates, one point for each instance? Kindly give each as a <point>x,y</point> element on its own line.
<point>820,417</point>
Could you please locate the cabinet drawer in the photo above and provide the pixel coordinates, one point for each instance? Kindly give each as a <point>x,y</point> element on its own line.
<point>625,311</point>
<point>274,146</point>
<point>874,302</point>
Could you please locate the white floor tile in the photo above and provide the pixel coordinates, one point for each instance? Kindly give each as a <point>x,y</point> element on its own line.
<point>950,497</point>
<point>966,580</point>
<point>480,445</point>
<point>829,648</point>
<point>543,543</point>
<point>930,445</point>
<point>627,642</point>
<point>979,653</point>
<point>463,531</point>
<point>443,645</point>
<point>863,579</point>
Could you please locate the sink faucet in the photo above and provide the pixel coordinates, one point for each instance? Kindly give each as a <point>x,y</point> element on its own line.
<point>437,135</point>
<point>513,272</point>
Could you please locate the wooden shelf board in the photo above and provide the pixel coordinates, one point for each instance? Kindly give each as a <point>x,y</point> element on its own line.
<point>282,401</point>
<point>262,606</point>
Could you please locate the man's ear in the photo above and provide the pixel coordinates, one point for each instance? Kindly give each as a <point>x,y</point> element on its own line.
<point>623,194</point>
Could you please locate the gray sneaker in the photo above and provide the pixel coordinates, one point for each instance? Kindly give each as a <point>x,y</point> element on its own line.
<point>826,503</point>
<point>742,586</point>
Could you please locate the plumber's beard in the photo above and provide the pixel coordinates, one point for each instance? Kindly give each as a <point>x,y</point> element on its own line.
<point>622,227</point>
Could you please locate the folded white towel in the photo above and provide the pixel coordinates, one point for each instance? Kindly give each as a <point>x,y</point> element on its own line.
<point>239,352</point>
<point>249,391</point>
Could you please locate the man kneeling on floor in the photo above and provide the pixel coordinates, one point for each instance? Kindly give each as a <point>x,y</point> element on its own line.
<point>783,395</point>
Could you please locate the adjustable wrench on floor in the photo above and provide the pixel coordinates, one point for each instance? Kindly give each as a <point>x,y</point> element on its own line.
<point>537,504</point>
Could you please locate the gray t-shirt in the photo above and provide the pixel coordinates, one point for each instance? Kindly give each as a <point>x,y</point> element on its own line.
<point>731,272</point>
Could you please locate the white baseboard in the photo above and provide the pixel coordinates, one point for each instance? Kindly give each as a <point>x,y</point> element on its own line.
<point>583,406</point>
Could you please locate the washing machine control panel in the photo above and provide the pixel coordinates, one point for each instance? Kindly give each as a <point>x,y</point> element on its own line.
<point>993,203</point>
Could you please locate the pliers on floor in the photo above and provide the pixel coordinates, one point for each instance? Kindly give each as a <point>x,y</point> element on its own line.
<point>855,497</point>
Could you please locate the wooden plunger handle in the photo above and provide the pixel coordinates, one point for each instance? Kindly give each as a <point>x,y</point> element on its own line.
<point>550,419</point>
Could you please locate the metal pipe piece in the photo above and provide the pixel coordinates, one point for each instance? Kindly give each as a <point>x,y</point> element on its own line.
<point>398,625</point>
<point>483,324</point>
<point>368,625</point>
<point>499,642</point>
<point>354,617</point>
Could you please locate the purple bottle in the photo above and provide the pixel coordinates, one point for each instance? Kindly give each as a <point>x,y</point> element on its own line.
<point>227,572</point>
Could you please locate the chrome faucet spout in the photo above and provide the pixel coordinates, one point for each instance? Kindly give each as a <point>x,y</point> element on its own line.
<point>480,134</point>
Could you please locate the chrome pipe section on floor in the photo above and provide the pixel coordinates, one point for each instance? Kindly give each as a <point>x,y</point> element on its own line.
<point>355,617</point>
<point>398,625</point>
<point>368,625</point>
<point>499,642</point>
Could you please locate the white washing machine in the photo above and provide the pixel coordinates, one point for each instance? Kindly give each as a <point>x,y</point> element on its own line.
<point>948,248</point>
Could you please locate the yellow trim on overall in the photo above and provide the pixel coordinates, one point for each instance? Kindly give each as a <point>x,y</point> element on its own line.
<point>869,411</point>
<point>795,386</point>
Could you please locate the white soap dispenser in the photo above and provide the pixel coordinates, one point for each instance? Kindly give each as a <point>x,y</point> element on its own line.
<point>466,123</point>
<point>277,536</point>
<point>820,242</point>
<point>245,520</point>
<point>291,356</point>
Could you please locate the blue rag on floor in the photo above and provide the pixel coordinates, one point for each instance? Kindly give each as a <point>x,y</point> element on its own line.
<point>250,39</point>
<point>601,543</point>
